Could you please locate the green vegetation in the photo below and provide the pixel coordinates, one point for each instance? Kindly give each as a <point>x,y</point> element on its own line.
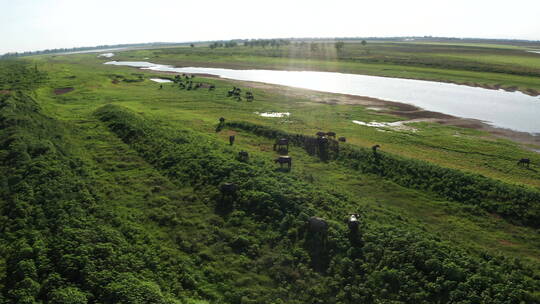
<point>110,194</point>
<point>517,203</point>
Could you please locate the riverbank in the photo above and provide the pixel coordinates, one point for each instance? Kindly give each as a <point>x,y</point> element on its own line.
<point>487,66</point>
<point>400,109</point>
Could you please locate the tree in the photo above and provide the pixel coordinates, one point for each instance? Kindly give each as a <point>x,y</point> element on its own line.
<point>339,45</point>
<point>363,42</point>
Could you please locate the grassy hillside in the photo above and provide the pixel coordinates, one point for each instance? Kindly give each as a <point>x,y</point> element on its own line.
<point>111,195</point>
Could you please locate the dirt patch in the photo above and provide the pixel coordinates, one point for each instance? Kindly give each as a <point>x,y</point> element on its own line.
<point>419,114</point>
<point>506,243</point>
<point>5,92</point>
<point>115,81</point>
<point>531,92</point>
<point>61,91</point>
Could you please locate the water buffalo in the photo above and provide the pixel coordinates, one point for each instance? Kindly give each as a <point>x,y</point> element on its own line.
<point>228,189</point>
<point>231,140</point>
<point>353,222</point>
<point>331,134</point>
<point>221,120</point>
<point>322,140</point>
<point>211,87</point>
<point>374,148</point>
<point>284,160</point>
<point>342,139</point>
<point>320,134</point>
<point>249,96</point>
<point>280,143</point>
<point>317,225</point>
<point>524,162</point>
<point>243,156</point>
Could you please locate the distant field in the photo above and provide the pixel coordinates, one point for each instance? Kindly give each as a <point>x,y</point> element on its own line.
<point>483,64</point>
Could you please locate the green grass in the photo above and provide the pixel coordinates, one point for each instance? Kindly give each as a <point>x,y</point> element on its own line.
<point>163,225</point>
<point>464,149</point>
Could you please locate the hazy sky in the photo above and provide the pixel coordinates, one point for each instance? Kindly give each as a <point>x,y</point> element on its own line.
<point>41,24</point>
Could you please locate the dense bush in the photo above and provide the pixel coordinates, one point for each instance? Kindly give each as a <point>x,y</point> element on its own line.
<point>59,240</point>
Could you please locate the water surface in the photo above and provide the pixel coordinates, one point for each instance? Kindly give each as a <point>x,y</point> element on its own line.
<point>160,80</point>
<point>511,110</point>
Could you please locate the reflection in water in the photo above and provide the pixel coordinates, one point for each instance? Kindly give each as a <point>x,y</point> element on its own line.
<point>273,114</point>
<point>160,80</point>
<point>512,110</point>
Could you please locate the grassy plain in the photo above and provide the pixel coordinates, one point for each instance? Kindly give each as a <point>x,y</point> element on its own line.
<point>162,224</point>
<point>465,149</point>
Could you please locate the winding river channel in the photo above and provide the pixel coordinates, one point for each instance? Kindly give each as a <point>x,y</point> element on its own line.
<point>499,108</point>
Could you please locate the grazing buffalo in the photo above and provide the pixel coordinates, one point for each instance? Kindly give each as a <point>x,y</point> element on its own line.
<point>320,134</point>
<point>221,120</point>
<point>524,162</point>
<point>322,140</point>
<point>374,148</point>
<point>211,87</point>
<point>231,140</point>
<point>354,221</point>
<point>280,143</point>
<point>284,160</point>
<point>331,134</point>
<point>243,156</point>
<point>228,189</point>
<point>342,139</point>
<point>317,225</point>
<point>160,86</point>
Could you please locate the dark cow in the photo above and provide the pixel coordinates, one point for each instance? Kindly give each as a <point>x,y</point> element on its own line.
<point>317,225</point>
<point>284,160</point>
<point>320,134</point>
<point>374,148</point>
<point>353,222</point>
<point>322,140</point>
<point>221,120</point>
<point>280,143</point>
<point>228,189</point>
<point>342,139</point>
<point>524,162</point>
<point>231,140</point>
<point>243,156</point>
<point>331,134</point>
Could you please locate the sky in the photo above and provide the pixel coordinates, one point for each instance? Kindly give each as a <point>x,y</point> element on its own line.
<point>27,25</point>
